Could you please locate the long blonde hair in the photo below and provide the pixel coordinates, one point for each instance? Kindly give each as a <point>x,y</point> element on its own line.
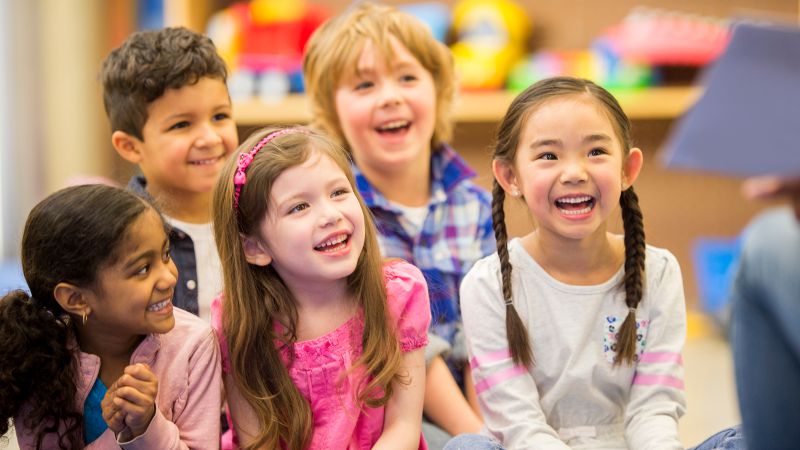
<point>333,51</point>
<point>256,298</point>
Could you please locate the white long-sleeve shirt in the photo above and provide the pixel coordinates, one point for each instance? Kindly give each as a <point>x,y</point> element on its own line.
<point>574,396</point>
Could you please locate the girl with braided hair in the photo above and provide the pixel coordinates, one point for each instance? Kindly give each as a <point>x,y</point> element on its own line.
<point>574,333</point>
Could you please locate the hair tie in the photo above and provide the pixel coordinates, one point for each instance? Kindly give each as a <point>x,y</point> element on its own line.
<point>239,177</point>
<point>632,310</point>
<point>508,302</point>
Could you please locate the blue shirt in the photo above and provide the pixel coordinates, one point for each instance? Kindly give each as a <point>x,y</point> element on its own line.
<point>455,234</point>
<point>93,423</point>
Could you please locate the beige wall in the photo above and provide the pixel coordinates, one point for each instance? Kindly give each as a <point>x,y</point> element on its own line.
<point>70,44</point>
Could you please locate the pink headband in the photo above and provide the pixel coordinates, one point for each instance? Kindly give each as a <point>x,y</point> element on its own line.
<point>239,178</point>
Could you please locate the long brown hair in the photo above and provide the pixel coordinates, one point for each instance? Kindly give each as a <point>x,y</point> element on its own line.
<point>256,298</point>
<point>506,150</point>
<point>333,50</point>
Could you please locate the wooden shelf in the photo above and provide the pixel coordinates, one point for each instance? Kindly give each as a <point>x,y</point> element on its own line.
<point>650,103</point>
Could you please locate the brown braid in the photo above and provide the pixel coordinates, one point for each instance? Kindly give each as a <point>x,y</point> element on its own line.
<point>634,273</point>
<point>518,342</point>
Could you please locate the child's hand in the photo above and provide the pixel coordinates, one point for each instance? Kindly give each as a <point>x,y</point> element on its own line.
<point>135,396</point>
<point>114,417</point>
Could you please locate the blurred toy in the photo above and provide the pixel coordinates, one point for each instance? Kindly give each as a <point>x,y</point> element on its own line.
<point>491,38</point>
<point>617,71</point>
<point>225,29</point>
<point>661,37</point>
<point>599,64</point>
<point>633,53</point>
<point>434,14</point>
<point>715,262</point>
<point>262,41</point>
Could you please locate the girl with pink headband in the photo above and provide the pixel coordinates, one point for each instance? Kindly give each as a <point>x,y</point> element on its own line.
<point>322,341</point>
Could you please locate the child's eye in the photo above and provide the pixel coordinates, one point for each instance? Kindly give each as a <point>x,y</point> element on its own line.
<point>597,152</point>
<point>299,207</point>
<point>221,116</point>
<point>179,125</point>
<point>167,255</point>
<point>547,156</point>
<point>143,270</point>
<point>408,78</point>
<point>340,191</point>
<point>364,85</point>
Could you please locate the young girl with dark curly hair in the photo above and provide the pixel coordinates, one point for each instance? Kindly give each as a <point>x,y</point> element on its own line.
<point>96,356</point>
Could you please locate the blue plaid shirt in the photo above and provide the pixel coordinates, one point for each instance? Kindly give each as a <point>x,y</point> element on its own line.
<point>456,233</point>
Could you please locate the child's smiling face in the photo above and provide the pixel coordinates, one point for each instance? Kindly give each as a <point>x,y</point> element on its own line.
<point>314,231</point>
<point>570,166</point>
<point>387,110</point>
<point>133,294</point>
<point>187,138</point>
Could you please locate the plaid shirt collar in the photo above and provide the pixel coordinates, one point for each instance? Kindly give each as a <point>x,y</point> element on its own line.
<point>448,170</point>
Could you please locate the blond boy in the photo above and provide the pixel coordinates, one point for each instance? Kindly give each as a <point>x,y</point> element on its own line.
<point>382,85</point>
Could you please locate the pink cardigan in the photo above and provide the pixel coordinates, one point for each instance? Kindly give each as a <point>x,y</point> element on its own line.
<point>186,361</point>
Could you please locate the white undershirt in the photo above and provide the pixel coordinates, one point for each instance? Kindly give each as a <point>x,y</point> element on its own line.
<point>413,217</point>
<point>209,268</point>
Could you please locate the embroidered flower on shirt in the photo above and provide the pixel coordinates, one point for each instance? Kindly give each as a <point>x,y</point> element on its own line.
<point>611,329</point>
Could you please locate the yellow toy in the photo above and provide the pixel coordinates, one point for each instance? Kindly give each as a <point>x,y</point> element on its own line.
<point>491,39</point>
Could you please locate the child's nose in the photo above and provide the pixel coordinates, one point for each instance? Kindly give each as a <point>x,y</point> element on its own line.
<point>390,94</point>
<point>168,276</point>
<point>329,215</point>
<point>574,172</point>
<point>209,136</point>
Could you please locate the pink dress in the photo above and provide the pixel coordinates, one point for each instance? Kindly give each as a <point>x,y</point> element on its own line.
<point>320,364</point>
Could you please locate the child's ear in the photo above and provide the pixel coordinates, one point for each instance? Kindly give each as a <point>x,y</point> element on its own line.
<point>127,146</point>
<point>255,252</point>
<point>632,167</point>
<point>72,299</point>
<point>504,174</point>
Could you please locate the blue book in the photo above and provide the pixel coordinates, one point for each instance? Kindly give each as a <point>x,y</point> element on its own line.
<point>747,121</point>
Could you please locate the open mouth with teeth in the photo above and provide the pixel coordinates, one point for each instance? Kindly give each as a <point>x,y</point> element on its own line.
<point>394,127</point>
<point>573,206</point>
<point>333,244</point>
<point>156,307</point>
<point>205,162</point>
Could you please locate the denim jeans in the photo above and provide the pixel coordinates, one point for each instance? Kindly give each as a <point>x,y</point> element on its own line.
<point>728,439</point>
<point>473,442</point>
<point>765,331</point>
<point>435,437</point>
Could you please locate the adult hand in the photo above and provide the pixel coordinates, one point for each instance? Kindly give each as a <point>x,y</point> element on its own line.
<point>766,187</point>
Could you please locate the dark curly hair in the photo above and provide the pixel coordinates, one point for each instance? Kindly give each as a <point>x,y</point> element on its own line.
<point>148,63</point>
<point>68,237</point>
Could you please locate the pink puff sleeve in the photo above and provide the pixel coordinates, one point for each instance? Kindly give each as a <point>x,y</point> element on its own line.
<point>409,306</point>
<point>216,324</point>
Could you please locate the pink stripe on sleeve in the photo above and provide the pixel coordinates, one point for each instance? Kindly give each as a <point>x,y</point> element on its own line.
<point>664,380</point>
<point>482,360</point>
<point>499,377</point>
<point>659,357</point>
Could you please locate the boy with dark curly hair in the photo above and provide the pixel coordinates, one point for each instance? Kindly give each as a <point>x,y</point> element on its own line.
<point>166,97</point>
